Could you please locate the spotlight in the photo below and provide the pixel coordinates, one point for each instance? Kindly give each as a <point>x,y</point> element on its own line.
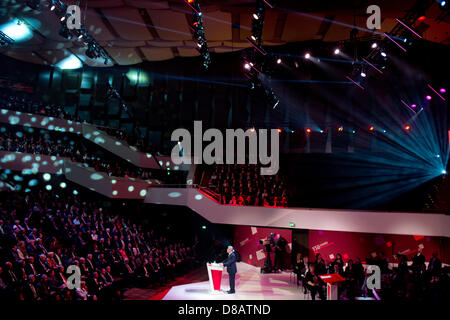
<point>279,61</point>
<point>255,16</point>
<point>363,74</point>
<point>63,18</point>
<point>307,55</point>
<point>252,129</point>
<point>407,127</point>
<point>90,52</point>
<point>442,90</point>
<point>337,51</point>
<point>428,98</point>
<point>247,66</point>
<point>253,38</point>
<point>371,128</point>
<point>443,3</point>
<point>384,54</point>
<point>340,129</point>
<point>53,7</point>
<point>374,45</point>
<point>308,130</point>
<point>421,18</point>
<point>444,171</point>
<point>413,106</point>
<point>279,130</point>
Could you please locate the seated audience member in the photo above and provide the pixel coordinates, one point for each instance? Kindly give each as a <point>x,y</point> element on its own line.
<point>314,283</point>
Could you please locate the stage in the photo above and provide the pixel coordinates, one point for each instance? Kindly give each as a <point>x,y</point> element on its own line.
<point>250,285</point>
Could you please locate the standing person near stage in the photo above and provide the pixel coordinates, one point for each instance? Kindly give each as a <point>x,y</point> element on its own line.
<point>230,263</point>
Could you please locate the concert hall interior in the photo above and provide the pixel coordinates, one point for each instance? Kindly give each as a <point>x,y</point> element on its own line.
<point>224,150</point>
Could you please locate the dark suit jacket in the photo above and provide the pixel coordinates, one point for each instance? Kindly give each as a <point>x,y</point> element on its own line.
<point>230,263</point>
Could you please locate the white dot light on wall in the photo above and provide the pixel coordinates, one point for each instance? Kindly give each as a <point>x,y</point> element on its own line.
<point>130,188</point>
<point>63,185</point>
<point>113,181</point>
<point>46,176</point>
<point>114,193</point>
<point>48,187</point>
<point>143,193</point>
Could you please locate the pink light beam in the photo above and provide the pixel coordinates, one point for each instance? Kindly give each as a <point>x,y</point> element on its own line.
<point>409,28</point>
<point>372,66</point>
<point>436,92</point>
<point>394,42</point>
<point>355,82</point>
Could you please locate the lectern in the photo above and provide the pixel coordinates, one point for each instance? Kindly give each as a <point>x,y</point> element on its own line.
<point>332,281</point>
<point>215,276</point>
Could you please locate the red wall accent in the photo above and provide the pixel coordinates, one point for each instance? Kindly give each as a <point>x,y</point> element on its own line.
<point>246,243</point>
<point>352,245</point>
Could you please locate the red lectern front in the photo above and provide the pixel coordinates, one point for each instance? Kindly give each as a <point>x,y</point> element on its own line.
<point>215,276</point>
<point>332,280</point>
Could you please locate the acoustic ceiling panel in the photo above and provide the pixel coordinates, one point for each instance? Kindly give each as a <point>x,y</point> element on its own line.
<point>128,23</point>
<point>124,56</point>
<point>157,54</point>
<point>217,25</point>
<point>170,25</point>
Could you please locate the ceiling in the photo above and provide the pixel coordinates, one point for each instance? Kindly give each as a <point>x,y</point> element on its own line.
<point>133,31</point>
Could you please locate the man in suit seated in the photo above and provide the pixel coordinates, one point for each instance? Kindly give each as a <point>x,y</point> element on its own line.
<point>230,263</point>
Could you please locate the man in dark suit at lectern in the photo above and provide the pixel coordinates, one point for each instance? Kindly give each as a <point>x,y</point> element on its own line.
<point>230,263</point>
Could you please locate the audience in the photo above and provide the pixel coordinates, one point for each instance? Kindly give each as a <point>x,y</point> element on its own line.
<point>41,235</point>
<point>40,141</point>
<point>407,279</point>
<point>244,185</point>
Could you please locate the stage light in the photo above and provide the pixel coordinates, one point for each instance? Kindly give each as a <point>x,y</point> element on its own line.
<point>190,1</point>
<point>69,63</point>
<point>337,51</point>
<point>307,55</point>
<point>53,7</point>
<point>438,156</point>
<point>252,129</point>
<point>46,176</point>
<point>279,61</point>
<point>247,66</point>
<point>384,54</point>
<point>421,18</point>
<point>308,130</point>
<point>75,192</point>
<point>253,38</point>
<point>363,74</point>
<point>204,227</point>
<point>80,36</point>
<point>255,16</point>
<point>428,98</point>
<point>48,187</point>
<point>63,18</point>
<point>413,106</point>
<point>340,129</point>
<point>63,185</point>
<point>374,45</point>
<point>279,130</point>
<point>442,90</point>
<point>16,30</point>
<point>371,128</point>
<point>407,127</point>
<point>444,171</point>
<point>443,3</point>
